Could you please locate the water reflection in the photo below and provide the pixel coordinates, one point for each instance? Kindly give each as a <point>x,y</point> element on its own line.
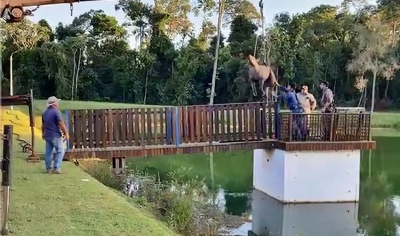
<point>379,208</point>
<point>271,217</point>
<point>378,214</point>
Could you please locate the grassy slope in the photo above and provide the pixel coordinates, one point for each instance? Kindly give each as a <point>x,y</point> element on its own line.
<point>43,204</point>
<point>49,204</point>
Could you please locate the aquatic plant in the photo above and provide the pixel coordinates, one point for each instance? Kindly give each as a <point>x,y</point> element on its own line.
<point>183,204</point>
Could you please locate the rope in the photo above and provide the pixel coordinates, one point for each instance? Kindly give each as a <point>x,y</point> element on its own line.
<point>26,146</point>
<point>261,5</point>
<point>255,47</point>
<point>264,51</point>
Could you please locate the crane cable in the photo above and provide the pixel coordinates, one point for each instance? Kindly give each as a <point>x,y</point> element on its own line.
<point>261,5</point>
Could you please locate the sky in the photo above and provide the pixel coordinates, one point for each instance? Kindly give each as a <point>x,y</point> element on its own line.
<point>61,12</point>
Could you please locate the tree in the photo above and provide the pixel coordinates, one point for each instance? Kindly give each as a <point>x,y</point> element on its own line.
<point>90,57</point>
<point>374,53</point>
<point>24,35</point>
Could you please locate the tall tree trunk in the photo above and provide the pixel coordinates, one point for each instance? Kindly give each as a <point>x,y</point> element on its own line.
<point>373,90</point>
<point>145,88</point>
<point>141,36</point>
<point>214,77</point>
<point>73,77</point>
<point>77,73</point>
<point>385,95</point>
<point>364,102</point>
<point>361,97</point>
<point>214,74</point>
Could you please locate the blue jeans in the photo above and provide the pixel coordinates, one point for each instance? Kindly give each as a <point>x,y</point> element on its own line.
<point>57,145</point>
<point>299,123</point>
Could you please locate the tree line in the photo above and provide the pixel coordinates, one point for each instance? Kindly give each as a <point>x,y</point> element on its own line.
<point>353,46</point>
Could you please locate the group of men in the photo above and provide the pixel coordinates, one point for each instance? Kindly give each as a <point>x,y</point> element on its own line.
<point>301,103</point>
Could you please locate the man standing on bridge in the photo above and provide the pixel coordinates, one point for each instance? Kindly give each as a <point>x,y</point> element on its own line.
<point>328,107</point>
<point>52,125</point>
<point>292,101</point>
<point>308,103</point>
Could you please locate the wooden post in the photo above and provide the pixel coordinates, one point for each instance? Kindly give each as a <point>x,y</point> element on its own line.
<point>115,165</point>
<point>277,121</point>
<point>290,126</point>
<point>33,157</point>
<point>6,176</point>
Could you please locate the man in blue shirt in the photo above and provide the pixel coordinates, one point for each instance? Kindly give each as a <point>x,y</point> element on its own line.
<point>292,101</point>
<point>52,125</point>
<point>290,98</point>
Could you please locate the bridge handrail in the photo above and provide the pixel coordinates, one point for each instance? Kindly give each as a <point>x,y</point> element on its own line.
<point>168,125</point>
<point>329,127</point>
<point>181,125</point>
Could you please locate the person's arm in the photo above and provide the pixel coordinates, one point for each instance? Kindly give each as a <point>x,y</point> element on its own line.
<point>283,88</point>
<point>313,102</point>
<point>61,124</point>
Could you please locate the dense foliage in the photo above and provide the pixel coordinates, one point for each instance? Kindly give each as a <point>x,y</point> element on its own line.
<point>90,59</point>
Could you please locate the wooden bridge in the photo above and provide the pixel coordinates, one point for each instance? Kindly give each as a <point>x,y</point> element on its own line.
<point>143,132</point>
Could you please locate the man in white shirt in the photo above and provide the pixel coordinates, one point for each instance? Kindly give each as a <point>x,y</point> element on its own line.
<point>307,102</point>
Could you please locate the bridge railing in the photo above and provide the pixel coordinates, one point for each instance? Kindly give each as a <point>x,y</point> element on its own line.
<point>324,127</point>
<point>169,125</point>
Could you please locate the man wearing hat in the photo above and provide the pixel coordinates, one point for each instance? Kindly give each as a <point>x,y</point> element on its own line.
<point>52,125</point>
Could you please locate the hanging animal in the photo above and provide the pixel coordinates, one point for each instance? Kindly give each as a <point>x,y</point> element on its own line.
<point>15,11</point>
<point>265,76</point>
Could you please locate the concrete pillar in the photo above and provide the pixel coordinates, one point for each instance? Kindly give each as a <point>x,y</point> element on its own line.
<point>118,164</point>
<point>308,176</point>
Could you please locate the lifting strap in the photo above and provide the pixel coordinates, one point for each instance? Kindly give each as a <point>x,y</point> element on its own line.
<point>261,5</point>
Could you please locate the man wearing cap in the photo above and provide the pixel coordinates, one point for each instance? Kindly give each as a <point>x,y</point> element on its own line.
<point>52,125</point>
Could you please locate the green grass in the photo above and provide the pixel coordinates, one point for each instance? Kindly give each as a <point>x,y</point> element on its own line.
<point>50,204</point>
<point>40,105</point>
<point>385,132</point>
<point>386,120</point>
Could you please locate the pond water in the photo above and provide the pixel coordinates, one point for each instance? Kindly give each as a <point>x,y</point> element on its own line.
<point>376,214</point>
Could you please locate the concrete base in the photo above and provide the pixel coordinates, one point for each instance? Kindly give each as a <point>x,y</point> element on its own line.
<point>118,164</point>
<point>271,217</point>
<point>308,176</point>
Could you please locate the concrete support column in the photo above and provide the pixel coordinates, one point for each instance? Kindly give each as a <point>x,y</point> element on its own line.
<point>308,176</point>
<point>118,164</point>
